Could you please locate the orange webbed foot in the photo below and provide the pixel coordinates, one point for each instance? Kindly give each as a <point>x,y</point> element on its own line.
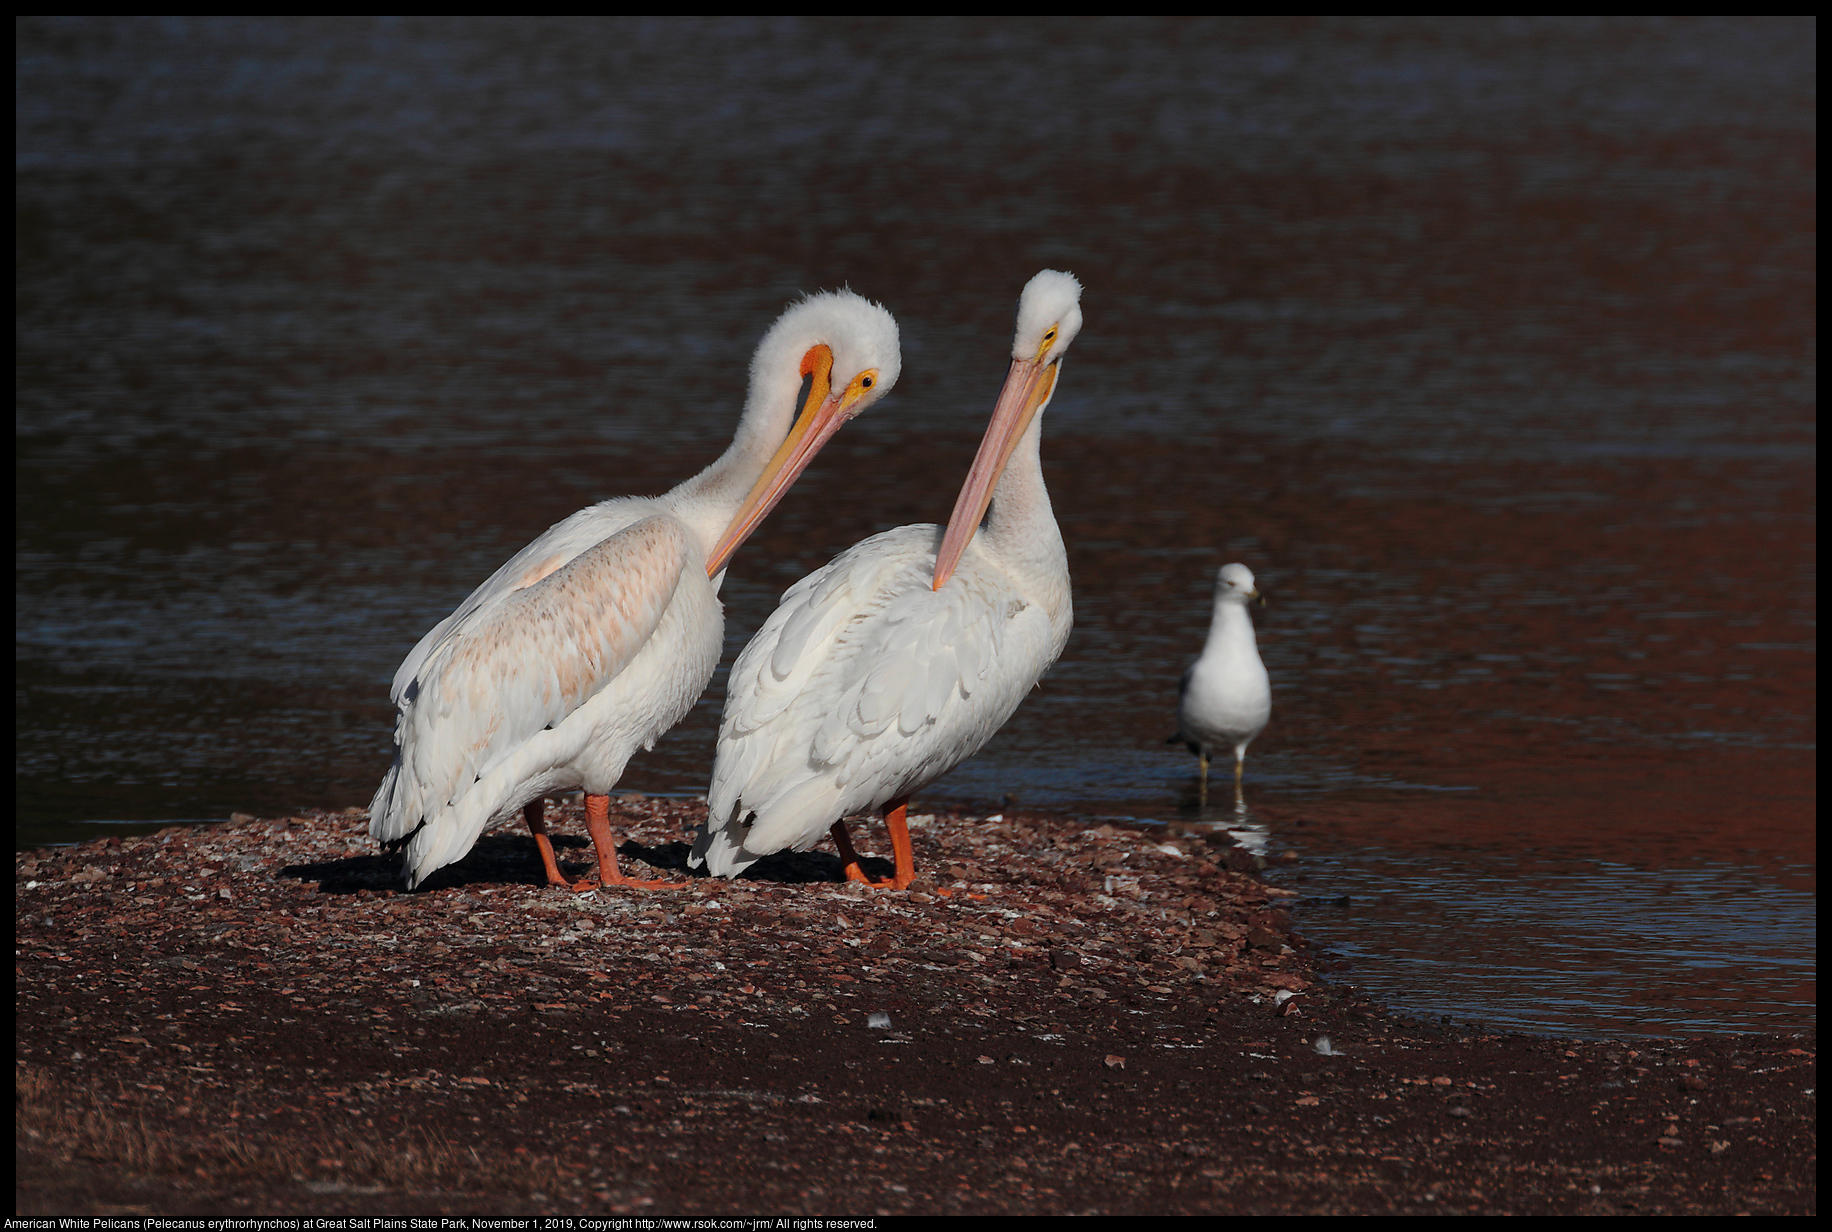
<point>630,883</point>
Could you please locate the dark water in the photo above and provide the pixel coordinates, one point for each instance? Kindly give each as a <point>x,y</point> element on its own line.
<point>1489,346</point>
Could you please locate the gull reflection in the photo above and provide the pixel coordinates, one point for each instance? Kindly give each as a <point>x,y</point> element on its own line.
<point>1245,828</point>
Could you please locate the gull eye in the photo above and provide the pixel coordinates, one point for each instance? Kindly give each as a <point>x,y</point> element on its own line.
<point>1051,335</point>
<point>865,382</point>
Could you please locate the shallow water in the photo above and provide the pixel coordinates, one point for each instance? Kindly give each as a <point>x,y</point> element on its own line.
<point>1488,346</point>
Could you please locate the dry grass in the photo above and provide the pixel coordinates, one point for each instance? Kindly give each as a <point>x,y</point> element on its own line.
<point>48,1118</point>
<point>73,1123</point>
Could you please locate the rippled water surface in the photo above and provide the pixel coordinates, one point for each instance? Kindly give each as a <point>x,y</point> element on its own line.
<point>1488,346</point>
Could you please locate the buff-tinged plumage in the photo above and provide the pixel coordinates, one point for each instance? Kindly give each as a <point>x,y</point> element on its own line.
<point>600,635</point>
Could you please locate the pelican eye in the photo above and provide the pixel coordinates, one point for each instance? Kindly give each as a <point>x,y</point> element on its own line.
<point>1049,340</point>
<point>859,384</point>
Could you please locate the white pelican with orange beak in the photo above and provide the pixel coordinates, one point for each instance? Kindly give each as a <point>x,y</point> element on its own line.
<point>903,656</point>
<point>599,636</point>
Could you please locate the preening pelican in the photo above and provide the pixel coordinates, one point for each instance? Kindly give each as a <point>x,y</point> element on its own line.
<point>597,637</point>
<point>899,659</point>
<point>1226,697</point>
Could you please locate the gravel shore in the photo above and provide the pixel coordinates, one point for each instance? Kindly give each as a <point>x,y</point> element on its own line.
<point>254,1019</point>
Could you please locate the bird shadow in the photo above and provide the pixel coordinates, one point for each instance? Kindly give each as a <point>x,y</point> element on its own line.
<point>510,859</point>
<point>784,867</point>
<point>497,859</point>
<point>810,867</point>
<point>348,875</point>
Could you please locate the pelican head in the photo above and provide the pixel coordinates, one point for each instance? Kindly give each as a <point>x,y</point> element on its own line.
<point>1049,317</point>
<point>846,348</point>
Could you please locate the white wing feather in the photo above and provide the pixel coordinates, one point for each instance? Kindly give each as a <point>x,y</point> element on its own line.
<point>517,661</point>
<point>864,685</point>
<point>555,546</point>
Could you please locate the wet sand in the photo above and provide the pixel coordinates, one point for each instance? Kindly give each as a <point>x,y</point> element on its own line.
<point>250,1019</point>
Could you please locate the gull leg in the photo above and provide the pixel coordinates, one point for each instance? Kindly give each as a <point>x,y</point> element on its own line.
<point>598,821</point>
<point>1240,764</point>
<point>1202,782</point>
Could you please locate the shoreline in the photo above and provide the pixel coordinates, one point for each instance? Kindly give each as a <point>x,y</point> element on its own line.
<point>254,1018</point>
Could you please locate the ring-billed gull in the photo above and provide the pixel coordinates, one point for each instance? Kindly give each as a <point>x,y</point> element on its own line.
<point>1226,696</point>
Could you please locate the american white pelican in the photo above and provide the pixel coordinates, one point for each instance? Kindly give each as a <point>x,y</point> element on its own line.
<point>898,660</point>
<point>1226,697</point>
<point>597,637</point>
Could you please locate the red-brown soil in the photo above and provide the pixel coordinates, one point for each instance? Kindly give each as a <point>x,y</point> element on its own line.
<point>251,1019</point>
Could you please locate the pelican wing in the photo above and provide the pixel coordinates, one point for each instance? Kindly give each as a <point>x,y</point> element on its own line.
<point>522,662</point>
<point>866,684</point>
<point>553,548</point>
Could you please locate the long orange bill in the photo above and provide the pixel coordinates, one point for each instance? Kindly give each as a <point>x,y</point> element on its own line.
<point>1027,387</point>
<point>821,416</point>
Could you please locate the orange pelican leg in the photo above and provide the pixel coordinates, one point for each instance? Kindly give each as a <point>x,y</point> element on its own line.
<point>902,854</point>
<point>535,814</point>
<point>848,856</point>
<point>598,821</point>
